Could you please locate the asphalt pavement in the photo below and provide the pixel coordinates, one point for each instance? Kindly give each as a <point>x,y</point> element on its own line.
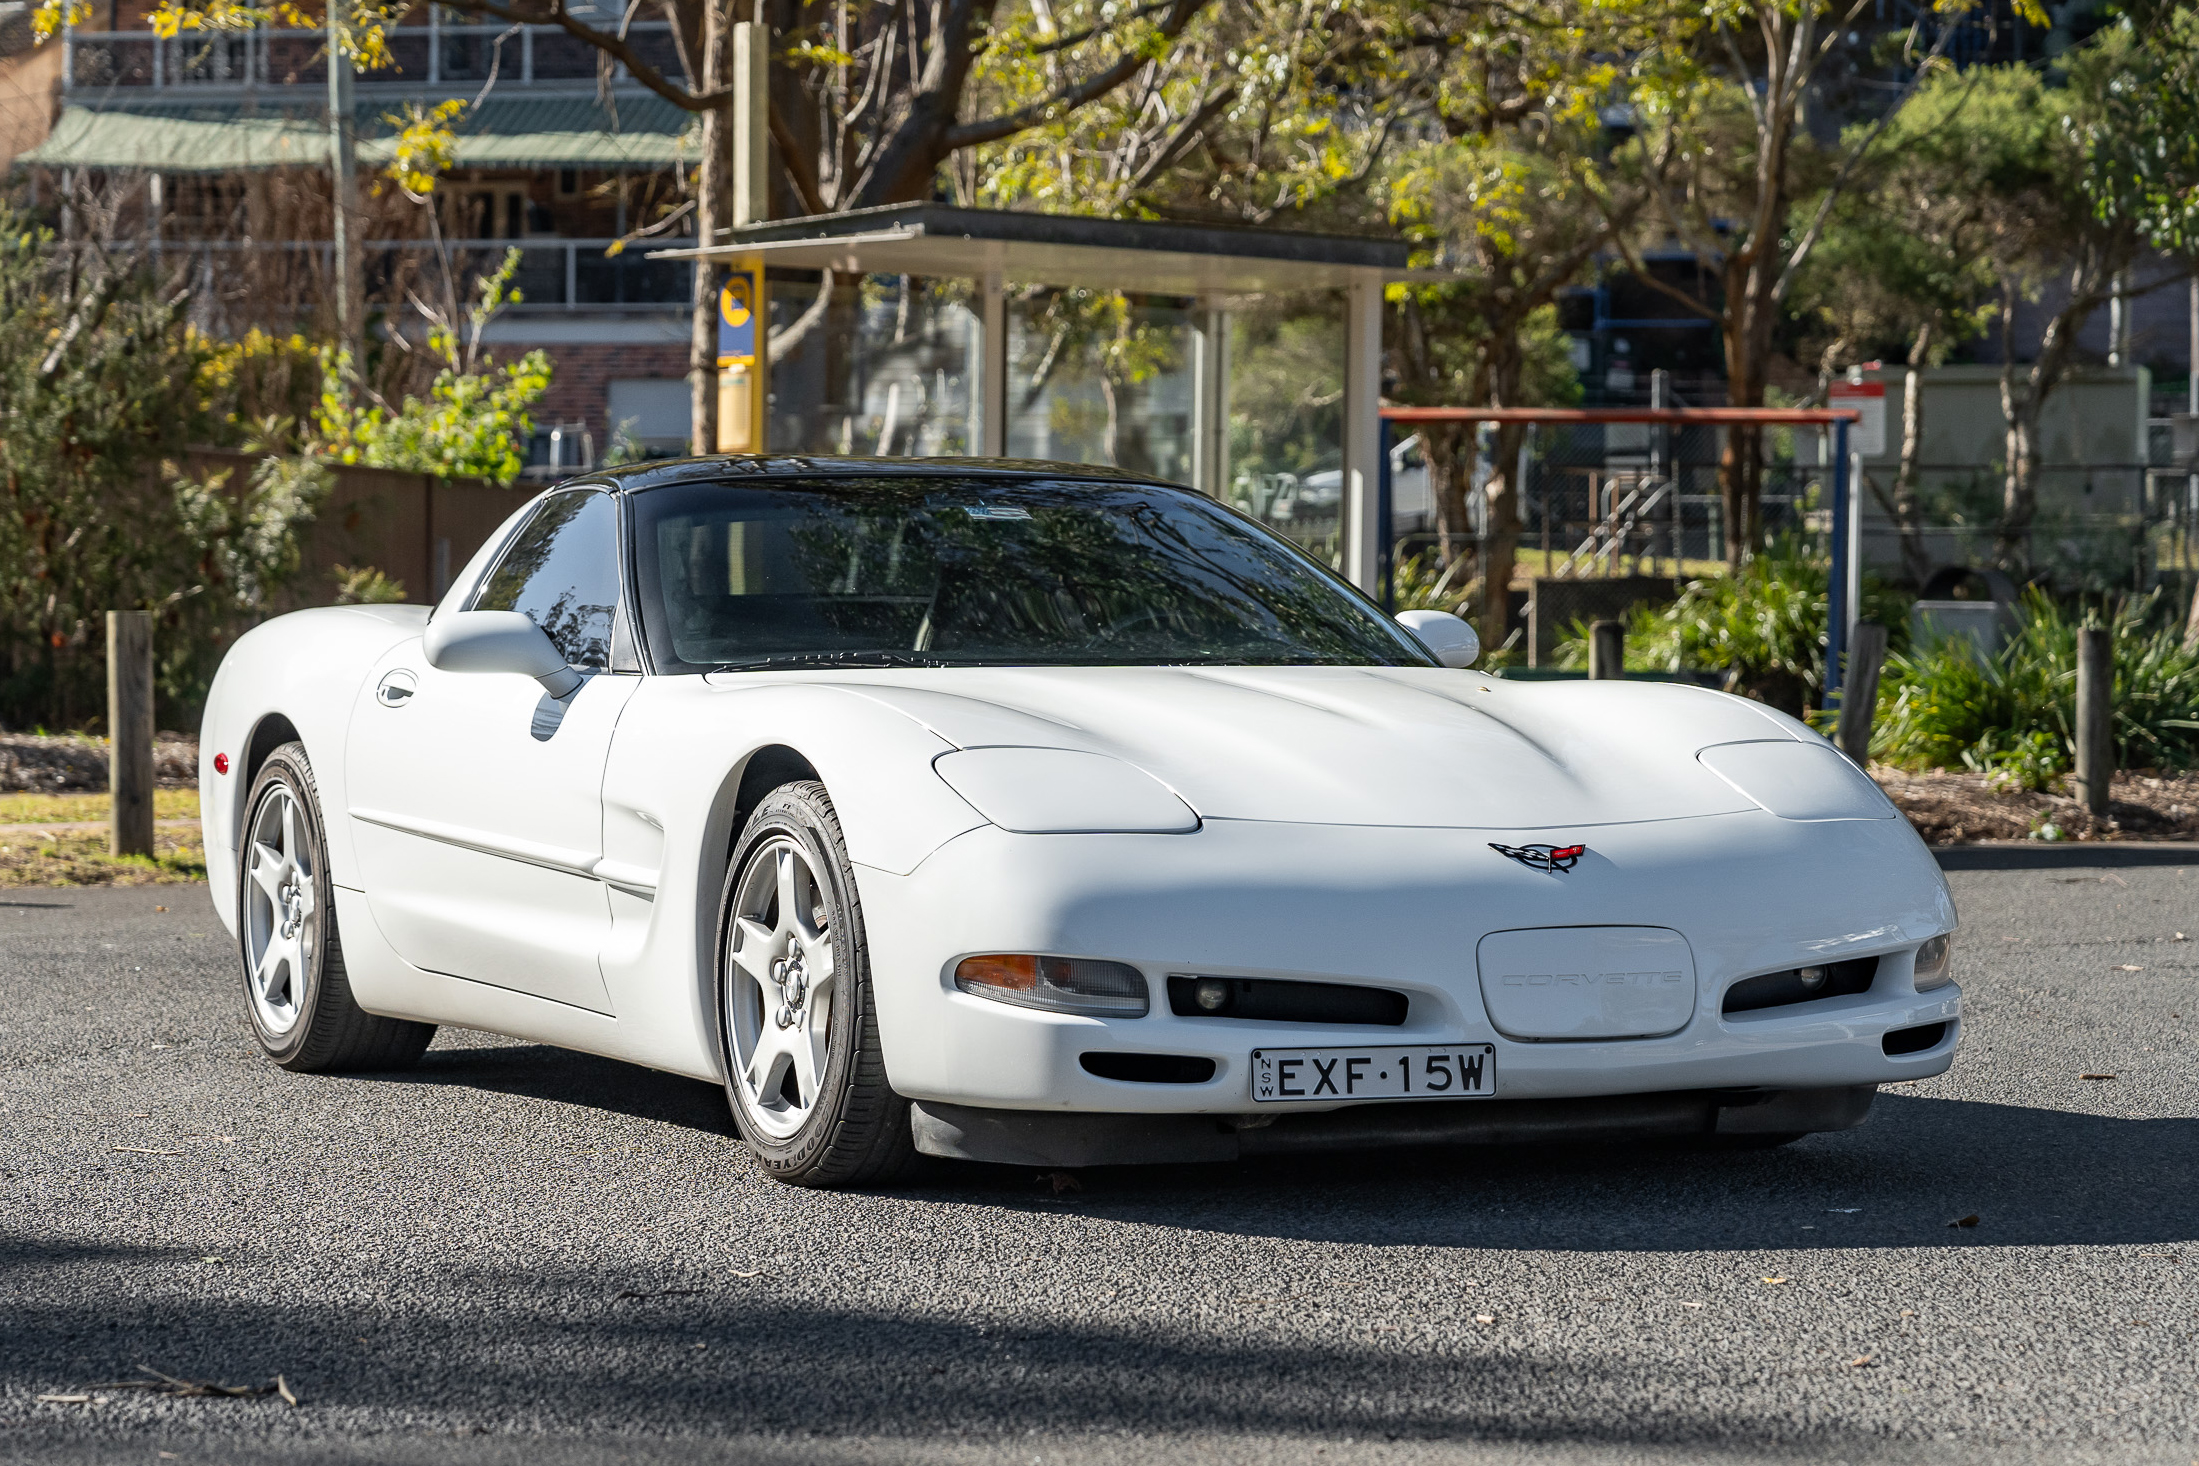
<point>515,1254</point>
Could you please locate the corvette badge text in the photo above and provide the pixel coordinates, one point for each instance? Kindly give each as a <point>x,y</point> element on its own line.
<point>1591,979</point>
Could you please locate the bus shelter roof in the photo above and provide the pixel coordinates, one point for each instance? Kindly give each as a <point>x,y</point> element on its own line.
<point>1061,249</point>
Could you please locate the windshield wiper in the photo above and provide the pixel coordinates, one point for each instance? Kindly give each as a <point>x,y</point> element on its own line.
<point>778,661</point>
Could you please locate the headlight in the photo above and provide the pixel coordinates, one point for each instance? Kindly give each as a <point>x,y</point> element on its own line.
<point>1056,984</point>
<point>1935,963</point>
<point>1798,781</point>
<point>1062,791</point>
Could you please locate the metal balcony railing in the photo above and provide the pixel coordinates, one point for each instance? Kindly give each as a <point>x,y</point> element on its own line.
<point>553,274</point>
<point>432,56</point>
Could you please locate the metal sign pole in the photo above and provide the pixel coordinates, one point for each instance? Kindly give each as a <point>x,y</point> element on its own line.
<point>1854,532</point>
<point>1384,519</point>
<point>1836,610</point>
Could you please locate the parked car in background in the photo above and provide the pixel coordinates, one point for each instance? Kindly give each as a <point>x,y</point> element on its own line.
<point>1412,504</point>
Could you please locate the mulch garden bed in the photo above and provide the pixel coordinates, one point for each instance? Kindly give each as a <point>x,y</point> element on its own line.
<point>1957,808</point>
<point>74,763</point>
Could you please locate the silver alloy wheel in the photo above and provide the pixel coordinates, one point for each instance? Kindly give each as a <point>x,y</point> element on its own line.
<point>282,920</point>
<point>778,986</point>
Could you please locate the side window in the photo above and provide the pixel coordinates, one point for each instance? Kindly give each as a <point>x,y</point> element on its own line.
<point>562,571</point>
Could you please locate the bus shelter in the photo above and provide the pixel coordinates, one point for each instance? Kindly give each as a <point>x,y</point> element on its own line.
<point>1202,272</point>
<point>1846,584</point>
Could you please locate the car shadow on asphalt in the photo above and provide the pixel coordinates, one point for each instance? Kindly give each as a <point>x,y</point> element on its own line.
<point>539,1071</point>
<point>1921,1172</point>
<point>2031,1175</point>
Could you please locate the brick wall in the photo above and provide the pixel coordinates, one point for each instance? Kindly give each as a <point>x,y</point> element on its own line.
<point>580,381</point>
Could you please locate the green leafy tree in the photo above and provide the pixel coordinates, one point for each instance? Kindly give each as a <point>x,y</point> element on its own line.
<point>1902,268</point>
<point>2143,149</point>
<point>1736,176</point>
<point>475,421</point>
<point>102,389</point>
<point>1518,220</point>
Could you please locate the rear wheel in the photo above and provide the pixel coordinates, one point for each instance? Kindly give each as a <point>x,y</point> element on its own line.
<point>295,987</point>
<point>804,1069</point>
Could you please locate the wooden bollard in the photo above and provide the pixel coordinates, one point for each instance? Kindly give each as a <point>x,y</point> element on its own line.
<point>1607,650</point>
<point>1859,691</point>
<point>2095,717</point>
<point>130,731</point>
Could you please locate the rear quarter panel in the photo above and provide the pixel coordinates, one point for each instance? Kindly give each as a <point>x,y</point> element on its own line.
<point>305,668</point>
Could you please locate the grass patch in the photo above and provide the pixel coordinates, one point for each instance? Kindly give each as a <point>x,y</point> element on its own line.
<point>29,808</point>
<point>81,859</point>
<point>1531,562</point>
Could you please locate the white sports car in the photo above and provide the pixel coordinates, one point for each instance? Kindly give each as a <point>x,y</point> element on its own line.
<point>1040,814</point>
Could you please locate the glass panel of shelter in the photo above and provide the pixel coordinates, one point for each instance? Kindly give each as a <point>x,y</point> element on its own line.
<point>887,366</point>
<point>884,367</point>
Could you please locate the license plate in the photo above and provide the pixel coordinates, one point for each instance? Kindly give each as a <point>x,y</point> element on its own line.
<point>1449,1071</point>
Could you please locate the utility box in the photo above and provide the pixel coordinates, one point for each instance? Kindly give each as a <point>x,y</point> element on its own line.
<point>1982,623</point>
<point>1985,616</point>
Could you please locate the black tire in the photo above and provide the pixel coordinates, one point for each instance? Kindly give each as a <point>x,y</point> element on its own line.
<point>326,1032</point>
<point>856,1132</point>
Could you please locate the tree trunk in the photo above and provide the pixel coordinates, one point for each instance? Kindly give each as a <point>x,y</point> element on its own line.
<point>1903,506</point>
<point>1741,490</point>
<point>1450,451</point>
<point>2020,478</point>
<point>710,196</point>
<point>1500,545</point>
<point>1907,512</point>
<point>1749,313</point>
<point>2023,404</point>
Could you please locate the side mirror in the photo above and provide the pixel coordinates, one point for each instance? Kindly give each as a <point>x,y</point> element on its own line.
<point>498,641</point>
<point>1451,639</point>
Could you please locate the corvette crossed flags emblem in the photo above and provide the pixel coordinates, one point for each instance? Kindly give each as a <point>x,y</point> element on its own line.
<point>1560,858</point>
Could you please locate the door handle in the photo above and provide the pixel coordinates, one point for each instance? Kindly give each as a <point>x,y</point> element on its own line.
<point>397,688</point>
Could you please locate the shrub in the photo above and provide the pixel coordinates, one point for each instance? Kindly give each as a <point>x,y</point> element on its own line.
<point>101,388</point>
<point>2013,715</point>
<point>1764,627</point>
<point>474,422</point>
<point>1419,583</point>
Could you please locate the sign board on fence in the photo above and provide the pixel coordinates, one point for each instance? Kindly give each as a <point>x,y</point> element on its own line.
<point>1868,436</point>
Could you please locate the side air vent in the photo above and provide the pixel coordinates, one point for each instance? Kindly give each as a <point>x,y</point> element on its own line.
<point>1914,1040</point>
<point>1801,985</point>
<point>1149,1068</point>
<point>1275,1000</point>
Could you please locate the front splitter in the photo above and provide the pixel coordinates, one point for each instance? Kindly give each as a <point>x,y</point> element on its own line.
<point>1067,1139</point>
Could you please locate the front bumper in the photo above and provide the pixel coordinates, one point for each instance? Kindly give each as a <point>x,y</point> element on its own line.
<point>1055,1138</point>
<point>1402,909</point>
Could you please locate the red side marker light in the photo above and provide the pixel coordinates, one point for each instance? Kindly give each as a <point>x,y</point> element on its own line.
<point>221,763</point>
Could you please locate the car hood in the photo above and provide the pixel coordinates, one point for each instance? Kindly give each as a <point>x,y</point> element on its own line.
<point>1423,747</point>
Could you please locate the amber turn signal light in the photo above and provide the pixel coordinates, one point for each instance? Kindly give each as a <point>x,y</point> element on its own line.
<point>1057,984</point>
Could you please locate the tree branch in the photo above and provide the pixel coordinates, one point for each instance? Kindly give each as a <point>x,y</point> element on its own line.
<point>609,44</point>
<point>1186,134</point>
<point>1078,38</point>
<point>1069,98</point>
<point>799,170</point>
<point>1808,241</point>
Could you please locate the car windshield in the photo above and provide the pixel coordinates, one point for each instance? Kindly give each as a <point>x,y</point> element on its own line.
<point>939,571</point>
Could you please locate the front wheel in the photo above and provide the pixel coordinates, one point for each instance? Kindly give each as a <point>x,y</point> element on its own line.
<point>798,1027</point>
<point>295,987</point>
